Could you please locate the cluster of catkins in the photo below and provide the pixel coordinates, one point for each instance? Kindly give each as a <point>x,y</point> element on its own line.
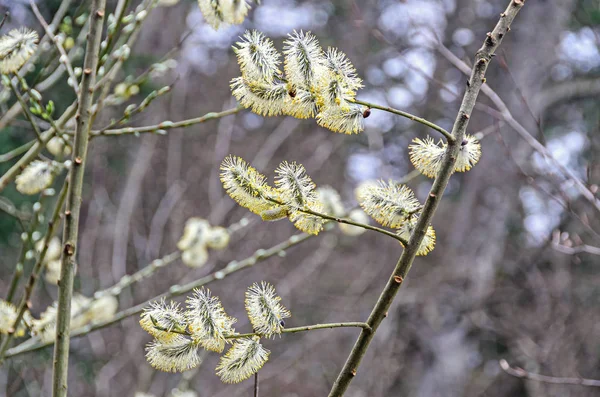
<point>198,237</point>
<point>317,83</point>
<point>294,196</point>
<point>179,334</point>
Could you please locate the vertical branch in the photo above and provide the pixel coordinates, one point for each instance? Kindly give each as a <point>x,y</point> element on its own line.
<point>256,384</point>
<point>67,271</point>
<point>379,312</point>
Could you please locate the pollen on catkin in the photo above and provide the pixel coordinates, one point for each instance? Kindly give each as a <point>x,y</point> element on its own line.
<point>308,223</point>
<point>178,354</point>
<point>388,203</point>
<point>37,176</point>
<point>245,185</point>
<point>16,47</point>
<point>428,242</point>
<point>257,57</point>
<point>275,213</point>
<point>264,309</point>
<point>297,191</point>
<point>295,187</point>
<point>208,322</point>
<point>468,154</point>
<point>242,360</point>
<point>340,66</point>
<point>302,105</point>
<point>167,316</point>
<point>346,118</point>
<point>264,98</point>
<point>427,156</point>
<point>304,60</point>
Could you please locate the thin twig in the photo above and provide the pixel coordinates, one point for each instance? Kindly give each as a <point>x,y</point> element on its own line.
<point>521,373</point>
<point>379,312</point>
<point>6,15</point>
<point>64,58</point>
<point>21,101</point>
<point>412,117</point>
<point>294,330</point>
<point>167,125</point>
<point>71,229</point>
<point>347,221</point>
<point>304,328</point>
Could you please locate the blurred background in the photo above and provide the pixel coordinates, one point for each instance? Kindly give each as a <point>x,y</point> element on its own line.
<point>514,274</point>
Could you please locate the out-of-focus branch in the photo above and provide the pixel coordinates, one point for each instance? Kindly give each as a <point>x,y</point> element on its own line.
<point>379,312</point>
<point>73,206</point>
<point>64,58</point>
<point>518,127</point>
<point>521,373</point>
<point>565,91</point>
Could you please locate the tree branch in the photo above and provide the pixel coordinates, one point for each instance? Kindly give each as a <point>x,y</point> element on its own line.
<point>409,116</point>
<point>521,373</point>
<point>71,228</point>
<point>379,312</point>
<point>167,125</point>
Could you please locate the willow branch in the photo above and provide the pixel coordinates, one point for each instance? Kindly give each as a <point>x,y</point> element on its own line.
<point>409,116</point>
<point>35,272</point>
<point>175,290</point>
<point>304,328</point>
<point>521,373</point>
<point>346,221</point>
<point>167,125</point>
<point>71,228</point>
<point>379,312</point>
<point>294,330</point>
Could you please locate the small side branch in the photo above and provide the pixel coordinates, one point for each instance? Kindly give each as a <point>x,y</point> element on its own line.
<point>409,116</point>
<point>167,125</point>
<point>521,373</point>
<point>348,222</point>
